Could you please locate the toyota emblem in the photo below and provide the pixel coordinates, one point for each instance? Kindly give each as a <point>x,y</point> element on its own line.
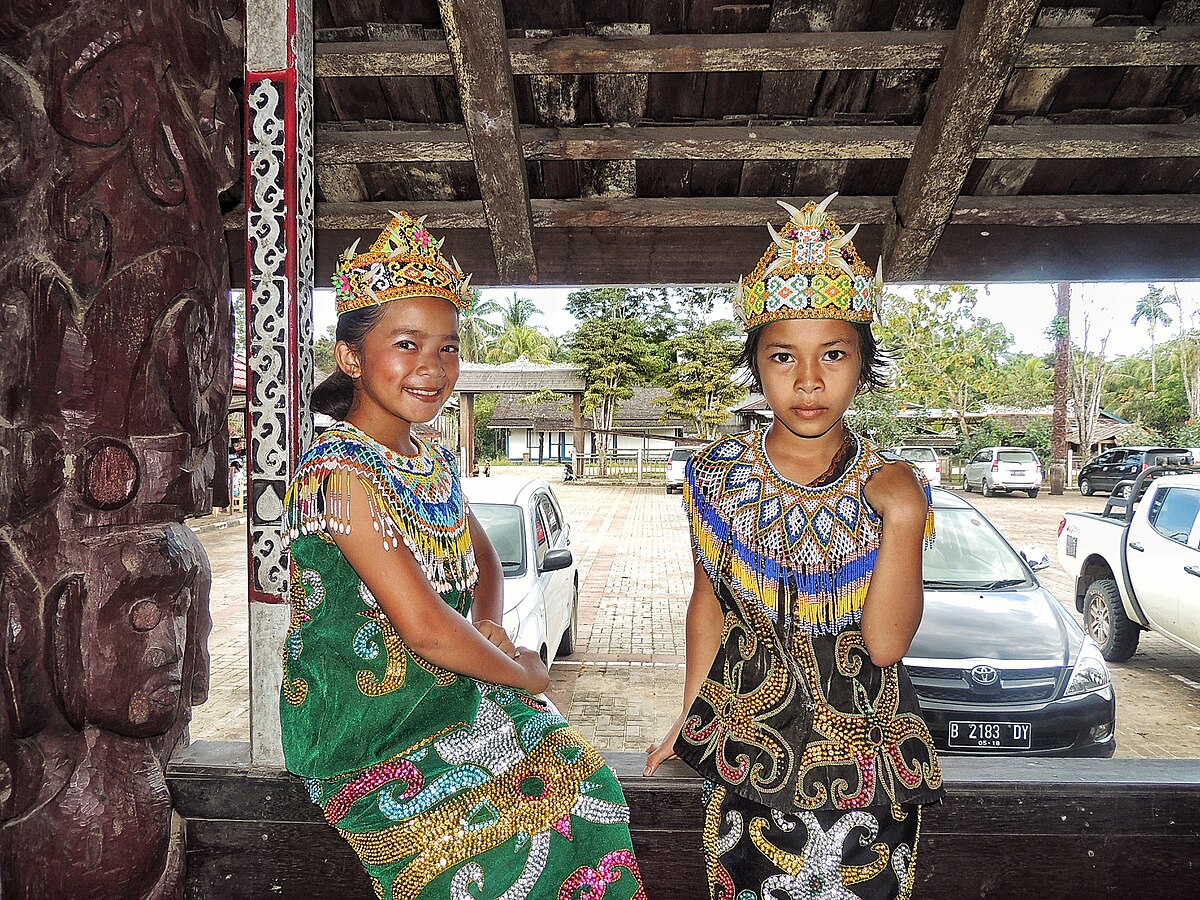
<point>984,676</point>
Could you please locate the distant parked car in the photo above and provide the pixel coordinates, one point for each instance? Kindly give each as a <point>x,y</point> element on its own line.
<point>525,524</point>
<point>675,463</point>
<point>1124,464</point>
<point>1003,469</point>
<point>924,458</point>
<point>998,664</point>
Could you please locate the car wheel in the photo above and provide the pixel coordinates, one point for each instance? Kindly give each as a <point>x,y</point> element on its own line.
<point>1105,620</point>
<point>566,646</point>
<point>966,484</point>
<point>1124,492</point>
<point>986,488</point>
<point>1033,493</point>
<point>1085,487</point>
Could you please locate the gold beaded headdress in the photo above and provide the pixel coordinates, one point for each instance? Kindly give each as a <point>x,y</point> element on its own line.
<point>404,261</point>
<point>810,271</point>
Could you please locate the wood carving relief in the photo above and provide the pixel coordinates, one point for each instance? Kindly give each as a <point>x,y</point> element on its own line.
<point>119,129</point>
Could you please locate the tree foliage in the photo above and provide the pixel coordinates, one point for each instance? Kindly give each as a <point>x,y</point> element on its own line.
<point>947,356</point>
<point>700,380</point>
<point>613,354</point>
<point>323,351</point>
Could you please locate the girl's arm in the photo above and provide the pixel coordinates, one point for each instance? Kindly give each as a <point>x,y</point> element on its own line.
<point>896,597</point>
<point>705,626</point>
<point>429,627</point>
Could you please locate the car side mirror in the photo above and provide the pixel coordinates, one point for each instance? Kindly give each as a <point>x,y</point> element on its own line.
<point>1037,558</point>
<point>555,560</point>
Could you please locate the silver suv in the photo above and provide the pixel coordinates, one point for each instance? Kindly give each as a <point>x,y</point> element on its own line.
<point>1003,469</point>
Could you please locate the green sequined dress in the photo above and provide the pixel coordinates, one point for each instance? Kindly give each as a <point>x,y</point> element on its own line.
<point>445,787</point>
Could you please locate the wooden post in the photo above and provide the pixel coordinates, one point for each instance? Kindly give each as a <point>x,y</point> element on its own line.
<point>577,432</point>
<point>475,34</point>
<point>986,44</point>
<point>279,258</point>
<point>466,432</point>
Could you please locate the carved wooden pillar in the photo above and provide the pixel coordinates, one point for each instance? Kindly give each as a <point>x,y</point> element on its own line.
<point>279,254</point>
<point>120,132</point>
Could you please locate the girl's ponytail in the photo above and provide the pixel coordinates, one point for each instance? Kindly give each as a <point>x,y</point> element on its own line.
<point>335,395</point>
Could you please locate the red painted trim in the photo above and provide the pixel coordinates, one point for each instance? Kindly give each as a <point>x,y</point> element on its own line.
<point>262,597</point>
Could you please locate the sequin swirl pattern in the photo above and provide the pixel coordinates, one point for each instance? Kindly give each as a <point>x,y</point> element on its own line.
<point>792,564</point>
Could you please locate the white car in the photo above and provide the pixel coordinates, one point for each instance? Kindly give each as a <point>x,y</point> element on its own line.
<point>1003,470</point>
<point>924,458</point>
<point>525,524</point>
<point>675,463</point>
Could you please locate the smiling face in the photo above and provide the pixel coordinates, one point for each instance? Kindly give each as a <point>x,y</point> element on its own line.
<point>407,365</point>
<point>809,370</point>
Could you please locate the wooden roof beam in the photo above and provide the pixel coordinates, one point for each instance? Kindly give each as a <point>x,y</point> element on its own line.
<point>765,52</point>
<point>774,142</point>
<point>978,63</point>
<point>754,212</point>
<point>475,35</point>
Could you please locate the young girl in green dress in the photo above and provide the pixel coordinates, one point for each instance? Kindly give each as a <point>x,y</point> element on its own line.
<point>807,593</point>
<point>404,705</point>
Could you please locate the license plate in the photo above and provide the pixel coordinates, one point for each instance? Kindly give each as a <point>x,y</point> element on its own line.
<point>1001,735</point>
<point>1017,472</point>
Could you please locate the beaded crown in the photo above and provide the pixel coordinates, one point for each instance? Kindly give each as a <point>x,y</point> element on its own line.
<point>810,271</point>
<point>405,261</point>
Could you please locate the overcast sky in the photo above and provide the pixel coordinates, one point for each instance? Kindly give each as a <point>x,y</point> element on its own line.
<point>1024,309</point>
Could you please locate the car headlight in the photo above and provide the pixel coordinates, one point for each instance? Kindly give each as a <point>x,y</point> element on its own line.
<point>1089,672</point>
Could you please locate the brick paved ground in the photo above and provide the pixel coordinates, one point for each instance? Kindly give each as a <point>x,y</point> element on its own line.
<point>622,687</point>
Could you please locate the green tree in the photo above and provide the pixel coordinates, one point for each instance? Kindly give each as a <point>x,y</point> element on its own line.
<point>1022,380</point>
<point>475,332</point>
<point>486,439</point>
<point>947,356</point>
<point>238,301</point>
<point>612,354</point>
<point>876,415</point>
<point>1152,307</point>
<point>323,351</point>
<point>518,341</point>
<point>517,311</point>
<point>700,380</point>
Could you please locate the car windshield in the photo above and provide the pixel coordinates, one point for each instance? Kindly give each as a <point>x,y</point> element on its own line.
<point>1021,457</point>
<point>918,454</point>
<point>969,554</point>
<point>505,528</point>
<point>680,455</point>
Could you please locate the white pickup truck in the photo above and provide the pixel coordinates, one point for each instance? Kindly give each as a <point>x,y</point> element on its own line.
<point>1138,568</point>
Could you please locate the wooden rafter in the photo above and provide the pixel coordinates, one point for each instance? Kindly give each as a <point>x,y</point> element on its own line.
<point>475,36</point>
<point>978,62</point>
<point>753,212</point>
<point>766,52</point>
<point>789,142</point>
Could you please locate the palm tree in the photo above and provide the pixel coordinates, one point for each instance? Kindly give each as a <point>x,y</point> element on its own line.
<point>518,341</point>
<point>474,331</point>
<point>1153,308</point>
<point>517,311</point>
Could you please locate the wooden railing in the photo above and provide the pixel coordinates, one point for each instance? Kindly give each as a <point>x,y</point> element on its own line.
<point>1011,828</point>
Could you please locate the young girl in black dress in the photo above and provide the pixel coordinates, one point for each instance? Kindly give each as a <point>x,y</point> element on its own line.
<point>807,543</point>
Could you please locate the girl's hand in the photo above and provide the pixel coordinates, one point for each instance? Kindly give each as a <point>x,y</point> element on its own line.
<point>536,675</point>
<point>498,636</point>
<point>897,496</point>
<point>663,750</point>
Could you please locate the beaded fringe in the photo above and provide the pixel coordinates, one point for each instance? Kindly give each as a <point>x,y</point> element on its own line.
<point>318,502</point>
<point>824,597</point>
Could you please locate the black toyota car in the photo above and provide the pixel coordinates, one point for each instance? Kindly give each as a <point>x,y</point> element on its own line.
<point>999,665</point>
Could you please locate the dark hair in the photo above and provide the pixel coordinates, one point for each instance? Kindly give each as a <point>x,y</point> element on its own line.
<point>335,395</point>
<point>876,361</point>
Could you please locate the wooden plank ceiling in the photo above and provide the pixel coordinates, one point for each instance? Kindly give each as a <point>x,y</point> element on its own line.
<point>645,141</point>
